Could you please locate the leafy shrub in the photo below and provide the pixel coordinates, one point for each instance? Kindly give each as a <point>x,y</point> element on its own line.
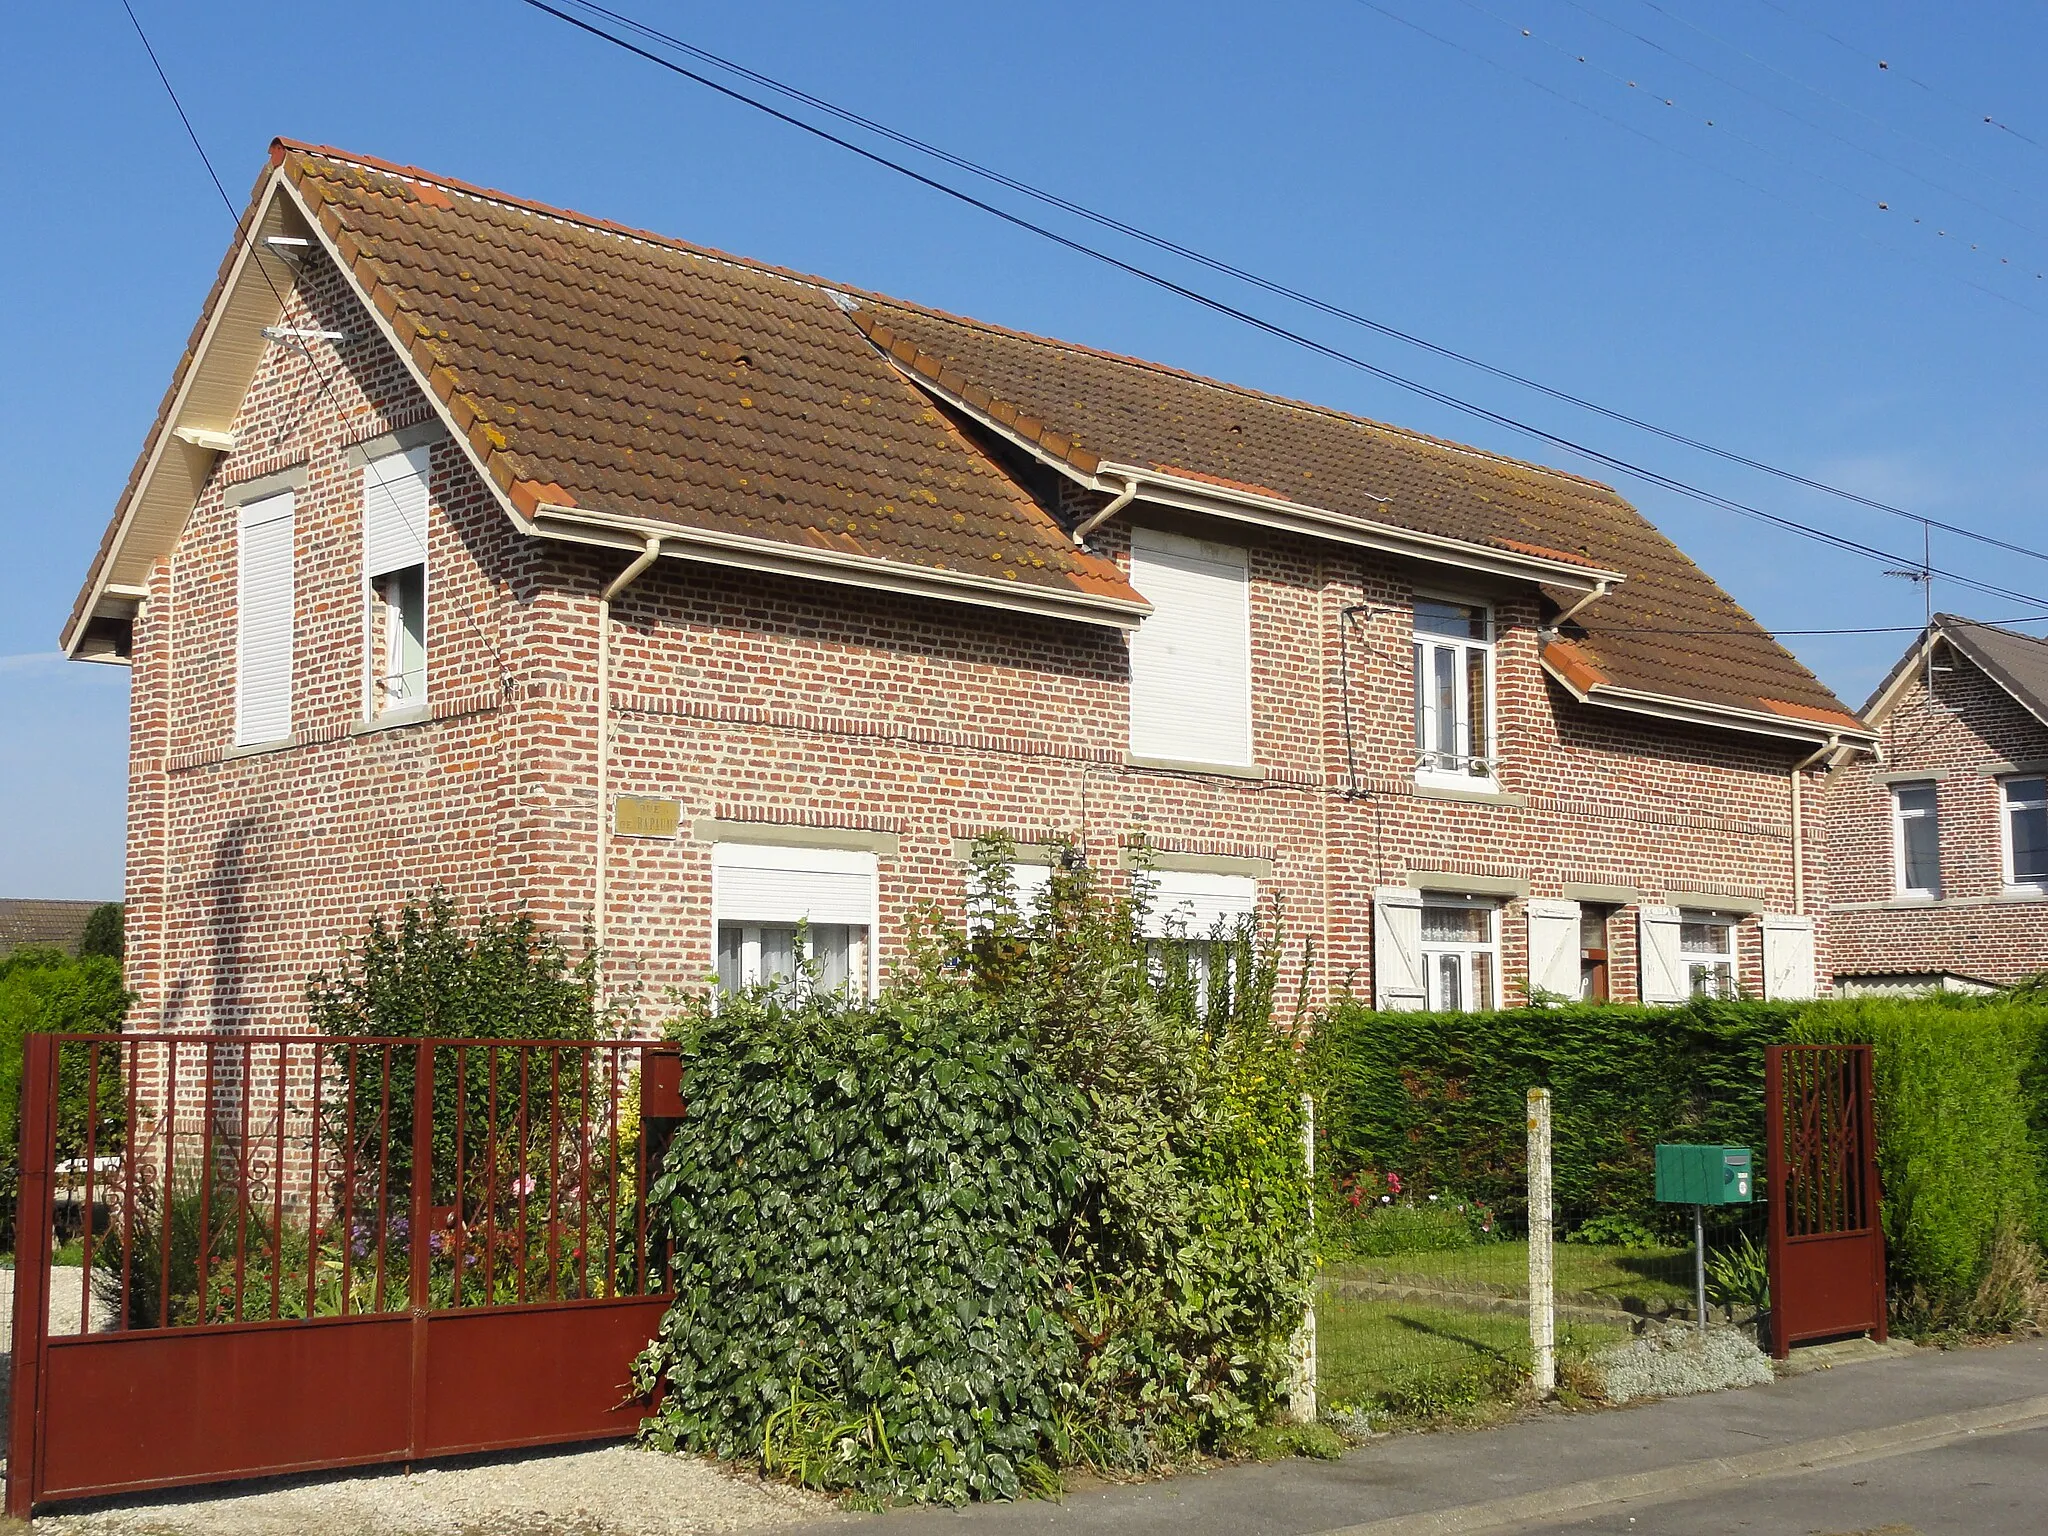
<point>1041,1203</point>
<point>1353,1223</point>
<point>1739,1276</point>
<point>1613,1232</point>
<point>45,991</point>
<point>105,932</point>
<point>1955,1149</point>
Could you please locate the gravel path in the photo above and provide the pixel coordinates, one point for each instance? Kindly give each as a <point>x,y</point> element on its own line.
<point>616,1491</point>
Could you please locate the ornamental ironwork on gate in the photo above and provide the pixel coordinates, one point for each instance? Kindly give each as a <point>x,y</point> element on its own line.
<point>1826,1237</point>
<point>300,1252</point>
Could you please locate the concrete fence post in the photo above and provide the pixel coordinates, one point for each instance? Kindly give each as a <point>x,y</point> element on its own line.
<point>1301,1391</point>
<point>1542,1309</point>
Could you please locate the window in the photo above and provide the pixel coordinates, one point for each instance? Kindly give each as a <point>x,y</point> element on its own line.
<point>1200,911</point>
<point>395,581</point>
<point>794,916</point>
<point>1191,695</point>
<point>1453,692</point>
<point>1916,840</point>
<point>1460,954</point>
<point>1593,985</point>
<point>1706,948</point>
<point>264,621</point>
<point>1028,882</point>
<point>2026,832</point>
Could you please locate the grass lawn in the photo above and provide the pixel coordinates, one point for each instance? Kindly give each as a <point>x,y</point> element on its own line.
<point>1364,1347</point>
<point>1651,1275</point>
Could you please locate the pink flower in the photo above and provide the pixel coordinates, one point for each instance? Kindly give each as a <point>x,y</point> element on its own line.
<point>1394,1182</point>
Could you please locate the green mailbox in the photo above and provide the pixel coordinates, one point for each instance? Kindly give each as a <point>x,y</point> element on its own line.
<point>1689,1175</point>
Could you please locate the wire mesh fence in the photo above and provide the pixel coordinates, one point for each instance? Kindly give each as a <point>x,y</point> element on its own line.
<point>1424,1304</point>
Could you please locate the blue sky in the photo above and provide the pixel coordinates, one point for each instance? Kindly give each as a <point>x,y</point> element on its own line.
<point>1448,166</point>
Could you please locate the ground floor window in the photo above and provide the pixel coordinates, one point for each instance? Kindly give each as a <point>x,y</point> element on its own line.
<point>1193,918</point>
<point>1460,954</point>
<point>1594,986</point>
<point>794,916</point>
<point>1706,947</point>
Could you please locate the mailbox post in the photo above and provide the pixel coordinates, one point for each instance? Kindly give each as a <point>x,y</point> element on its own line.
<point>1700,1176</point>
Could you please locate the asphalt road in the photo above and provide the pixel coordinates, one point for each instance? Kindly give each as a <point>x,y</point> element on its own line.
<point>1986,1485</point>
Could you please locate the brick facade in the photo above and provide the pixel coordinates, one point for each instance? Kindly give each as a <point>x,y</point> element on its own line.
<point>1962,736</point>
<point>770,698</point>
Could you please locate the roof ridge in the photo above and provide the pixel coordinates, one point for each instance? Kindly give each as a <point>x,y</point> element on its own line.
<point>830,285</point>
<point>1245,390</point>
<point>1942,620</point>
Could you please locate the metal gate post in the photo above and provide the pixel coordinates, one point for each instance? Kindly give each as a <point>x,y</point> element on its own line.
<point>1873,1202</point>
<point>34,1218</point>
<point>1775,1191</point>
<point>422,1205</point>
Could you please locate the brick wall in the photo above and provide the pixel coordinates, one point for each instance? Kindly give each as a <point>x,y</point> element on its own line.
<point>760,697</point>
<point>1961,736</point>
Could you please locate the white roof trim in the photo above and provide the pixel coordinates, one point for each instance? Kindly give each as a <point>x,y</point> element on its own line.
<point>1722,716</point>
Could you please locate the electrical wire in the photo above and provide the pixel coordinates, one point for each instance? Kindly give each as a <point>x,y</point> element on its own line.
<point>1281,290</point>
<point>1620,465</point>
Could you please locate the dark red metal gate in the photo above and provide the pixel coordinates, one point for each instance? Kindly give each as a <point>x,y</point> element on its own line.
<point>303,1252</point>
<point>1826,1240</point>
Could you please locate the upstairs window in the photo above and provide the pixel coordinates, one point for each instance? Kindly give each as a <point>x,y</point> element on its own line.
<point>2026,832</point>
<point>1453,693</point>
<point>1460,954</point>
<point>1916,840</point>
<point>1706,948</point>
<point>1191,690</point>
<point>264,588</point>
<point>395,582</point>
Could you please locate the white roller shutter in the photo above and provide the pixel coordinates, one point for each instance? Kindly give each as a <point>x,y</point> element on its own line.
<point>760,883</point>
<point>1660,968</point>
<point>1190,903</point>
<point>1788,958</point>
<point>1191,684</point>
<point>1397,948</point>
<point>1554,947</point>
<point>395,512</point>
<point>263,621</point>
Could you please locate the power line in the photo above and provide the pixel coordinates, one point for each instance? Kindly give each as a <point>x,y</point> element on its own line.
<point>1267,285</point>
<point>1885,66</point>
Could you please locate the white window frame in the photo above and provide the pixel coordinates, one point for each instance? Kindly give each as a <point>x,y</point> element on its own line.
<point>796,860</point>
<point>1901,886</point>
<point>2013,884</point>
<point>1434,951</point>
<point>387,553</point>
<point>1428,769</point>
<point>1730,923</point>
<point>1152,667</point>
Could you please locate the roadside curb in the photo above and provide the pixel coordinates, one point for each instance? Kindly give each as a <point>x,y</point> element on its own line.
<point>1665,1483</point>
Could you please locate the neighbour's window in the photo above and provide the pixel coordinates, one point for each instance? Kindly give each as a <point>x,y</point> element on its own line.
<point>1916,840</point>
<point>1453,692</point>
<point>1706,947</point>
<point>1593,985</point>
<point>1460,954</point>
<point>2026,832</point>
<point>1191,693</point>
<point>264,622</point>
<point>395,581</point>
<point>797,918</point>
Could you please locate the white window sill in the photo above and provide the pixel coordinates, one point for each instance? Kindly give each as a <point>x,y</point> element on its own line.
<point>259,748</point>
<point>1178,765</point>
<point>392,719</point>
<point>1463,787</point>
<point>2026,893</point>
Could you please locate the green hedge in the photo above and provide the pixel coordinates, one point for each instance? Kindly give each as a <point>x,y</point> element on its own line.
<point>1962,1116</point>
<point>45,991</point>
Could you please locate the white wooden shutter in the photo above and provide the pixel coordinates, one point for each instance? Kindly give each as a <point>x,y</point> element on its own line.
<point>1190,903</point>
<point>1660,968</point>
<point>1554,947</point>
<point>762,883</point>
<point>1397,948</point>
<point>395,511</point>
<point>1191,687</point>
<point>1788,958</point>
<point>263,621</point>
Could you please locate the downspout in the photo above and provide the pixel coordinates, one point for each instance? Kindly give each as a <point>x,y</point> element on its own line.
<point>1123,499</point>
<point>1833,744</point>
<point>623,580</point>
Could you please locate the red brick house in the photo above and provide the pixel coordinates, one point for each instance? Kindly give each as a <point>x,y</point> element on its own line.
<point>1938,849</point>
<point>679,599</point>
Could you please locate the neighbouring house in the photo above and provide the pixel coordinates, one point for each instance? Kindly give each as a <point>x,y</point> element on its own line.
<point>1938,848</point>
<point>26,923</point>
<point>711,610</point>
